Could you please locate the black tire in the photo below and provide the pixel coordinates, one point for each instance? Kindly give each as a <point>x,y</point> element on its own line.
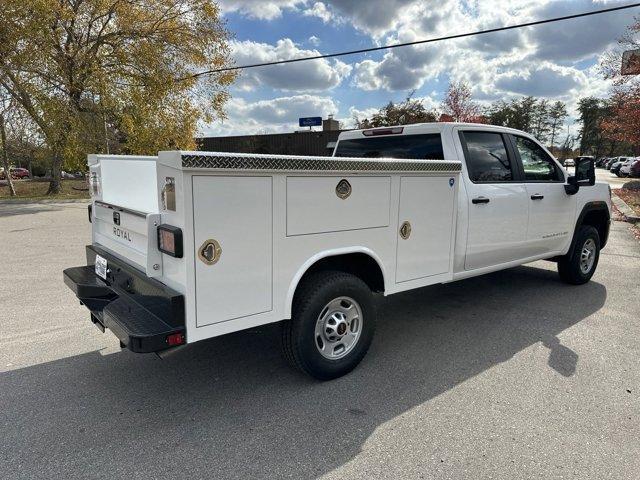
<point>299,340</point>
<point>569,266</point>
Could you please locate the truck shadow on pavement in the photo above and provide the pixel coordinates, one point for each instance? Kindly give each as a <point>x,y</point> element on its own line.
<point>231,408</point>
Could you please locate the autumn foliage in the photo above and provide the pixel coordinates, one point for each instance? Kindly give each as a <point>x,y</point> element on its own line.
<point>93,75</point>
<point>623,122</point>
<point>458,106</point>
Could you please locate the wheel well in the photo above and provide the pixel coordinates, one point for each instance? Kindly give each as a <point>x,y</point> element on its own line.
<point>358,264</point>
<point>599,219</point>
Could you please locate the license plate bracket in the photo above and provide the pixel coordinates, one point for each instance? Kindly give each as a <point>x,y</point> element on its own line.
<point>101,267</point>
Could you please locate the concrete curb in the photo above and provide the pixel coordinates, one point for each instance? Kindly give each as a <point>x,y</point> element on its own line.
<point>629,215</point>
<point>28,201</point>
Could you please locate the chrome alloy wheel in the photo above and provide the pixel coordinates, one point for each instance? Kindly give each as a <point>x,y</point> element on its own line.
<point>338,328</point>
<point>587,256</point>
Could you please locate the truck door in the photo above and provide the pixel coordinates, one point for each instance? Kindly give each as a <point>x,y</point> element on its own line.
<point>551,210</point>
<point>497,200</point>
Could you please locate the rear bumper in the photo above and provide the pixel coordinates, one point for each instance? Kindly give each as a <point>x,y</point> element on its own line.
<point>139,310</point>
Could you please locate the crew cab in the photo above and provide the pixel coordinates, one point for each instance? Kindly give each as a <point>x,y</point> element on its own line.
<point>191,245</point>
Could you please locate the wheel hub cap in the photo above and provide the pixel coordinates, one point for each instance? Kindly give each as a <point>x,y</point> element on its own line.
<point>338,327</point>
<point>587,256</point>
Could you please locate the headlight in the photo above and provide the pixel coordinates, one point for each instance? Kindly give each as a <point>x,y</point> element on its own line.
<point>170,240</point>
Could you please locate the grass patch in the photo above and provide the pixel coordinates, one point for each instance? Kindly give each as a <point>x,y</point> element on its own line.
<point>29,189</point>
<point>631,197</point>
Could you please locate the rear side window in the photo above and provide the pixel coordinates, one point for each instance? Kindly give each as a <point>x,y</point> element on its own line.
<point>422,147</point>
<point>486,157</point>
<point>537,164</point>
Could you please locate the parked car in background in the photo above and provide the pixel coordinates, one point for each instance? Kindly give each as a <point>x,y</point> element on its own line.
<point>634,171</point>
<point>66,175</point>
<point>611,162</point>
<point>625,167</point>
<point>569,163</point>
<point>617,166</point>
<point>19,172</point>
<point>16,173</point>
<point>600,162</point>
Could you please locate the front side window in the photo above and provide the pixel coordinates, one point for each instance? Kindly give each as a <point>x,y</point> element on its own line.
<point>486,156</point>
<point>422,147</point>
<point>537,164</point>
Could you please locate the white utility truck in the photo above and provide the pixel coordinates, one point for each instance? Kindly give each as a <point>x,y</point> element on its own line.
<point>192,245</point>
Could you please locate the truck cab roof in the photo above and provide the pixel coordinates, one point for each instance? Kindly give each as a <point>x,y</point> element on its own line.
<point>417,128</point>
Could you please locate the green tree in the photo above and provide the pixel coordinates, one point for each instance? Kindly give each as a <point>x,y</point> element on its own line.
<point>519,114</point>
<point>6,108</point>
<point>77,65</point>
<point>529,114</point>
<point>411,110</point>
<point>557,116</point>
<point>541,120</point>
<point>591,111</point>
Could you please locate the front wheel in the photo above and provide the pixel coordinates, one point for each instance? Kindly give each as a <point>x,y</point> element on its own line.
<point>579,267</point>
<point>332,325</point>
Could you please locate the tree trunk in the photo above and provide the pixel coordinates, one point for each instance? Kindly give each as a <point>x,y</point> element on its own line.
<point>55,185</point>
<point>30,163</point>
<point>553,133</point>
<point>5,157</point>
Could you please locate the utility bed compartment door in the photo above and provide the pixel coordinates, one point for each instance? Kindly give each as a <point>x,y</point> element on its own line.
<point>236,213</point>
<point>314,206</point>
<point>427,204</point>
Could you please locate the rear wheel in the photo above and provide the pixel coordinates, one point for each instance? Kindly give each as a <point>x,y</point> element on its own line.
<point>332,325</point>
<point>579,267</point>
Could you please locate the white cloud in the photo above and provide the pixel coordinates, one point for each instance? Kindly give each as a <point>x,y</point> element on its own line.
<point>546,61</point>
<point>577,39</point>
<point>263,10</point>
<point>270,116</point>
<point>319,10</point>
<point>495,65</point>
<point>546,80</point>
<point>313,40</point>
<point>374,17</point>
<point>310,76</point>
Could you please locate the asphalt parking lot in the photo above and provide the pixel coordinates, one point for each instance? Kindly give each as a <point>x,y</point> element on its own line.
<point>510,375</point>
<point>613,180</point>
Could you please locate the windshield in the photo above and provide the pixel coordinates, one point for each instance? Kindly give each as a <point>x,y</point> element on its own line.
<point>423,147</point>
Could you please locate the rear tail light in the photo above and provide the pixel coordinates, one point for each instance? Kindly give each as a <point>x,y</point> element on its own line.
<point>170,240</point>
<point>94,184</point>
<point>168,194</point>
<point>175,339</point>
<point>90,212</point>
<point>383,131</point>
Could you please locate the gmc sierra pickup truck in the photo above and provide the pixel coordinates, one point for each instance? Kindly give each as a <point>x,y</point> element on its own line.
<point>192,245</point>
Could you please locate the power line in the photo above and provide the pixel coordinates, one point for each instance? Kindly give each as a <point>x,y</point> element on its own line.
<point>418,42</point>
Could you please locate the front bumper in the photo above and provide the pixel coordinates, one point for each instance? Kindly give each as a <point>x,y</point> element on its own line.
<point>142,312</point>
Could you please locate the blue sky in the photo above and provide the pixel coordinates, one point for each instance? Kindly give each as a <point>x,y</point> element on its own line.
<point>557,61</point>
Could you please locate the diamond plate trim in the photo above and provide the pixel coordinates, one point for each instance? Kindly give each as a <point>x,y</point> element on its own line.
<point>314,164</point>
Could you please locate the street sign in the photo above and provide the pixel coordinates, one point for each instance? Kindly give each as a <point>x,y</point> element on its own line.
<point>631,62</point>
<point>310,121</point>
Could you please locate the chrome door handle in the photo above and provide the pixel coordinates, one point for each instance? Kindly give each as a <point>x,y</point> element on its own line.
<point>537,196</point>
<point>478,200</point>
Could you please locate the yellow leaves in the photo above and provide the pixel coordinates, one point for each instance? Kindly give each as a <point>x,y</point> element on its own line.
<point>80,63</point>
